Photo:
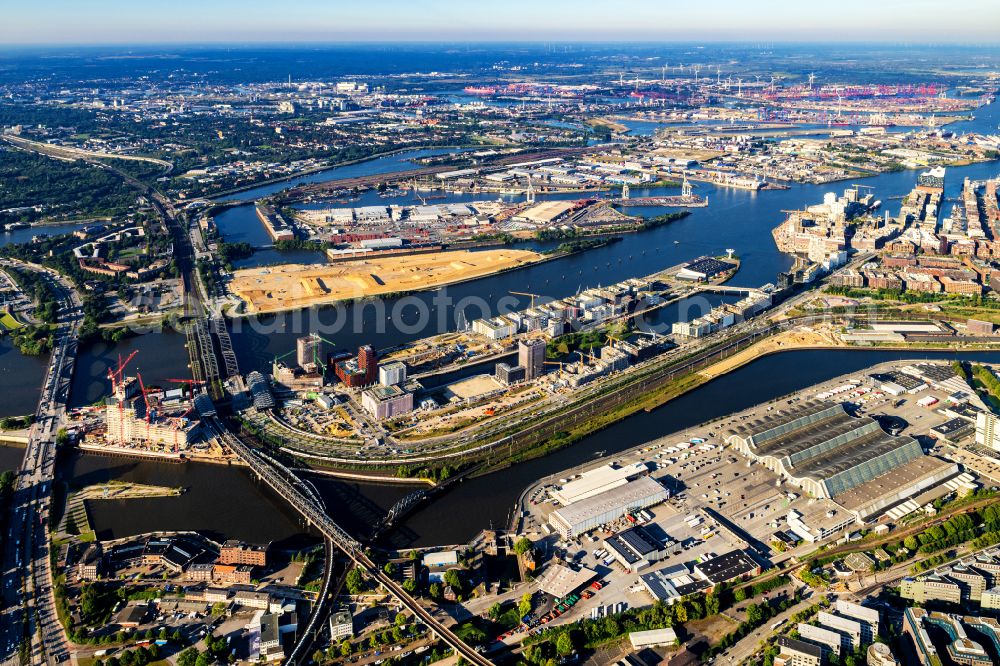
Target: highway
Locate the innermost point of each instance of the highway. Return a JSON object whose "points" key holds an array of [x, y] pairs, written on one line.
{"points": [[295, 491], [28, 601]]}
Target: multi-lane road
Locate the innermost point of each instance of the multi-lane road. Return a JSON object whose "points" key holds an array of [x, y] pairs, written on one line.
{"points": [[28, 603]]}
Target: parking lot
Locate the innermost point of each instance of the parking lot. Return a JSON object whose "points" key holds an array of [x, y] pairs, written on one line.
{"points": [[702, 474]]}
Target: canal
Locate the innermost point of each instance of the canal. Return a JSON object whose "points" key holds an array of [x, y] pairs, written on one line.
{"points": [[225, 501]]}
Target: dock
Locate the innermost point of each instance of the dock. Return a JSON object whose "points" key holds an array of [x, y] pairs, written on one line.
{"points": [[277, 227]]}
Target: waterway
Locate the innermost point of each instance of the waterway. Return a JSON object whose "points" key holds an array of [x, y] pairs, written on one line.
{"points": [[736, 219], [20, 379], [398, 162], [226, 501]]}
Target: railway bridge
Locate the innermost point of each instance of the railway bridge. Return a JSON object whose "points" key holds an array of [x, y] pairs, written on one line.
{"points": [[292, 489]]}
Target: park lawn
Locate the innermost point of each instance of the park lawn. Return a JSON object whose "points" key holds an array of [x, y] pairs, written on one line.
{"points": [[8, 322]]}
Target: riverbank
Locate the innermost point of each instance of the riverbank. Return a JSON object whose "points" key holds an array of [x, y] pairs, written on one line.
{"points": [[327, 167]]}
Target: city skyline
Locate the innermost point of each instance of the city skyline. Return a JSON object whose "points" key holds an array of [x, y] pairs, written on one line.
{"points": [[119, 22]]}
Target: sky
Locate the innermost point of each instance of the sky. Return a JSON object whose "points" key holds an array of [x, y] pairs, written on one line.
{"points": [[73, 22]]}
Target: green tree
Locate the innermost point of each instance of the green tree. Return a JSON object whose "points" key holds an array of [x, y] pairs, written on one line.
{"points": [[346, 648], [564, 644], [355, 581], [435, 590], [188, 657], [524, 607], [496, 610], [523, 546], [452, 578]]}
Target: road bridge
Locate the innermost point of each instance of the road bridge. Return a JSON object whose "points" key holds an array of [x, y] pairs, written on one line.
{"points": [[286, 484], [29, 610]]}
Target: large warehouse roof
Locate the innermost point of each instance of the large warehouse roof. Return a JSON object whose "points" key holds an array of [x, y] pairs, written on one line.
{"points": [[617, 500], [595, 481], [559, 580], [823, 448]]}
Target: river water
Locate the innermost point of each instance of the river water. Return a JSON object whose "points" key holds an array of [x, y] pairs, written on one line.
{"points": [[225, 501]]}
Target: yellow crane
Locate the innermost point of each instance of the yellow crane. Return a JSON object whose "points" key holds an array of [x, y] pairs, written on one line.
{"points": [[527, 293], [559, 363]]}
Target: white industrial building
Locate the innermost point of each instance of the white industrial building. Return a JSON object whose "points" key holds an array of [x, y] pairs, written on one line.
{"points": [[596, 481], [652, 638], [584, 515]]}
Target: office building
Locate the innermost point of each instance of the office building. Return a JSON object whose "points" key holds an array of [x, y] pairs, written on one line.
{"points": [[867, 617], [850, 630], [341, 624], [879, 654], [309, 352], [386, 402], [392, 374], [531, 356], [931, 588], [360, 371], [826, 639], [238, 552], [793, 652], [988, 430], [507, 375]]}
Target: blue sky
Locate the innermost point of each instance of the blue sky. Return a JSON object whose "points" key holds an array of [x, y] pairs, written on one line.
{"points": [[186, 21]]}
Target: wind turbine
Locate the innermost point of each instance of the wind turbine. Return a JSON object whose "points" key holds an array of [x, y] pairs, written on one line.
{"points": [[697, 68], [739, 87], [718, 75], [663, 75], [812, 78]]}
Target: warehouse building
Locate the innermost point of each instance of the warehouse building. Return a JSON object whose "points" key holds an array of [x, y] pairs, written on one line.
{"points": [[672, 583], [584, 515], [734, 565], [635, 548], [596, 481], [822, 449], [652, 638]]}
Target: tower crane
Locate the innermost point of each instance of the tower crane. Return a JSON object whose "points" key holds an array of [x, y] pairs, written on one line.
{"points": [[116, 383], [527, 293]]}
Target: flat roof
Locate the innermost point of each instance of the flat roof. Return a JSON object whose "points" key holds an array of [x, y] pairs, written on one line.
{"points": [[800, 646], [727, 566], [559, 580], [596, 480], [709, 266], [615, 499]]}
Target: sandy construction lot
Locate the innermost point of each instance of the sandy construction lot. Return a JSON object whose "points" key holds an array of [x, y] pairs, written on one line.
{"points": [[293, 286]]}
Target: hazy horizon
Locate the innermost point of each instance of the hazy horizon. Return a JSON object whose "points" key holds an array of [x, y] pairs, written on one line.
{"points": [[186, 22]]}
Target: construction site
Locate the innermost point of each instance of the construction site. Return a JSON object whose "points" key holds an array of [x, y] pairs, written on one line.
{"points": [[140, 420], [290, 287]]}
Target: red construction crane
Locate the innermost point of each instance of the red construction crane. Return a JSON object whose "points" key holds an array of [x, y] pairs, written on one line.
{"points": [[116, 375]]}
